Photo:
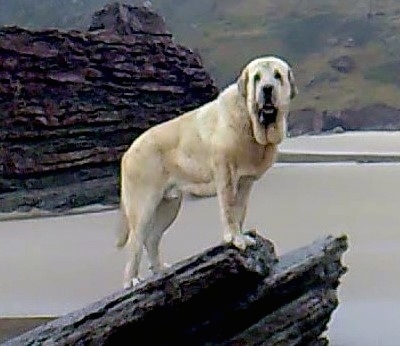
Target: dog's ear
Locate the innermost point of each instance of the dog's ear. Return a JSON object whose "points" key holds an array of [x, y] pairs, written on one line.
{"points": [[242, 82], [293, 88]]}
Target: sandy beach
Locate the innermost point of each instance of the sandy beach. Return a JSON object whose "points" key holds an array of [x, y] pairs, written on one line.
{"points": [[51, 266]]}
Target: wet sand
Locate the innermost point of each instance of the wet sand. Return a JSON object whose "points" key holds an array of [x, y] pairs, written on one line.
{"points": [[11, 327], [52, 266]]}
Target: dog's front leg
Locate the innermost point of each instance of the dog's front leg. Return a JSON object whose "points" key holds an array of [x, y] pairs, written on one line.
{"points": [[244, 188], [231, 211], [243, 194]]}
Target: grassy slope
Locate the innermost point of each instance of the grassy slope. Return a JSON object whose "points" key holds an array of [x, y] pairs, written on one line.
{"points": [[229, 33]]}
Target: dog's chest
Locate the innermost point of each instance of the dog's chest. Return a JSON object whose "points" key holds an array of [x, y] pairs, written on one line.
{"points": [[254, 160]]}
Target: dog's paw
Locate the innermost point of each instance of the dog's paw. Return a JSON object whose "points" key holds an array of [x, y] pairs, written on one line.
{"points": [[166, 265], [243, 241], [228, 237], [250, 240], [240, 241], [131, 283], [159, 268]]}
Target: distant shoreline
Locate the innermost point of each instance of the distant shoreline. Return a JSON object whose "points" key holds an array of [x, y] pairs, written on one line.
{"points": [[287, 157], [39, 213], [318, 157]]}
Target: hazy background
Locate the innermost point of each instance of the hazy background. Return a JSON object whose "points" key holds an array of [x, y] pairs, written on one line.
{"points": [[346, 50], [346, 54]]}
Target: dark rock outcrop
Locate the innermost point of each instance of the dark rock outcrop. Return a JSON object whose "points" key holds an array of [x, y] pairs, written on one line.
{"points": [[378, 117], [126, 20], [343, 64], [71, 103]]}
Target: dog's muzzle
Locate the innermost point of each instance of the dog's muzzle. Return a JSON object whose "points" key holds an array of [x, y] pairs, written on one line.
{"points": [[268, 112]]}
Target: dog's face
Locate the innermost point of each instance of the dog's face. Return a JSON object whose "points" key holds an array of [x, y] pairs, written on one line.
{"points": [[267, 84]]}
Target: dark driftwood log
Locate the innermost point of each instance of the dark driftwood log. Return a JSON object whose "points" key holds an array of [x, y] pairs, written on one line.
{"points": [[222, 296], [296, 323]]}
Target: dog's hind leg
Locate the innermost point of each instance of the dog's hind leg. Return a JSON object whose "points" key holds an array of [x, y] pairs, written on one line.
{"points": [[165, 215], [139, 221]]}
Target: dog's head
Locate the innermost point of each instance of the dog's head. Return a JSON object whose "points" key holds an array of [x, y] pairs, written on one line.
{"points": [[267, 85]]}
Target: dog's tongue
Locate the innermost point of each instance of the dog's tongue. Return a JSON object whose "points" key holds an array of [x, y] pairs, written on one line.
{"points": [[268, 111], [267, 115]]}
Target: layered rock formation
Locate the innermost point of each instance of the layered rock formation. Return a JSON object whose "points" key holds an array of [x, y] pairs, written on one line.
{"points": [[378, 117], [72, 102]]}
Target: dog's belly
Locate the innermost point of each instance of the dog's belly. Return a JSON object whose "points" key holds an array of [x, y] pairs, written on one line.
{"points": [[192, 169], [191, 175]]}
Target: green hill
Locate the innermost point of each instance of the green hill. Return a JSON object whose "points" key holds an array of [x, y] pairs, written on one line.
{"points": [[346, 54]]}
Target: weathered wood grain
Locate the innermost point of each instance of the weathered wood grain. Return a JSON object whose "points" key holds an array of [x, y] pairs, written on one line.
{"points": [[220, 297]]}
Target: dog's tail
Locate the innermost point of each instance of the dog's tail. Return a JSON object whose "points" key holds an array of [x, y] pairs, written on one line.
{"points": [[123, 229]]}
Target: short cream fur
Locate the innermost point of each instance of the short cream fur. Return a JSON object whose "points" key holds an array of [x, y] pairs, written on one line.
{"points": [[220, 149]]}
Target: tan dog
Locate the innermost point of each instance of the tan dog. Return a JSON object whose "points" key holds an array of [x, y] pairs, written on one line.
{"points": [[220, 148]]}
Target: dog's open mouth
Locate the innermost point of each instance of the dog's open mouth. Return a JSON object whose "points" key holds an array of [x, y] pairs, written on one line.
{"points": [[267, 114]]}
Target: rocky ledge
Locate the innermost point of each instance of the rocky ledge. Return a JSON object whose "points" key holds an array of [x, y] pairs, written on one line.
{"points": [[72, 102], [376, 117]]}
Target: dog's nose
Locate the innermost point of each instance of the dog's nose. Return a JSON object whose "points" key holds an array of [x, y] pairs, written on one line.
{"points": [[267, 91]]}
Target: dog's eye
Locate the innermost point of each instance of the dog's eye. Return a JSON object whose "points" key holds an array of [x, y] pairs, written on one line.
{"points": [[278, 76], [257, 77]]}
